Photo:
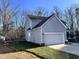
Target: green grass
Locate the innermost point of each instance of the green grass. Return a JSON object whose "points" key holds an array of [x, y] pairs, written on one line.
{"points": [[44, 52]]}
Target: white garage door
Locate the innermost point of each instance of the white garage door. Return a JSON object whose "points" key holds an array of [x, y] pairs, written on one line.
{"points": [[53, 38]]}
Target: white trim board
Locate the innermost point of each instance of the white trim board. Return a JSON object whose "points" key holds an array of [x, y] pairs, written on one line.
{"points": [[54, 33], [61, 22]]}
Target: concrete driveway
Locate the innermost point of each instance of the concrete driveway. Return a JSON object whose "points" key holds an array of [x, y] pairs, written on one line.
{"points": [[73, 49]]}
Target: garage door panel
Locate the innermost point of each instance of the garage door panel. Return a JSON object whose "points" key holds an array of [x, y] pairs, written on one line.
{"points": [[54, 36], [53, 39]]}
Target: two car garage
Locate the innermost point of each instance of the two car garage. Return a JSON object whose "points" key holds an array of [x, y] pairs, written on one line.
{"points": [[47, 38], [53, 38]]}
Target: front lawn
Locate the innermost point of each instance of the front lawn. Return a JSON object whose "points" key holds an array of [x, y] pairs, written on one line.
{"points": [[45, 52]]}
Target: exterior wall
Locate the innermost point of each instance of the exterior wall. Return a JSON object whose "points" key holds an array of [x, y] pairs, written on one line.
{"points": [[28, 35], [35, 22], [28, 25], [53, 26], [36, 36]]}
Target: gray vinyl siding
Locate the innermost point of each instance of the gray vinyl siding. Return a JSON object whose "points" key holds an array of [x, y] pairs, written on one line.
{"points": [[53, 25]]}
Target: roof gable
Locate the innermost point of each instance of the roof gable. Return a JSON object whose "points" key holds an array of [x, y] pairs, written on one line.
{"points": [[61, 22], [45, 19], [42, 22]]}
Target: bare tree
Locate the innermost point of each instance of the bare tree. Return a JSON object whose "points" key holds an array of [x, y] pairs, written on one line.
{"points": [[20, 26], [57, 11], [37, 12], [40, 12], [7, 14], [69, 17], [70, 20]]}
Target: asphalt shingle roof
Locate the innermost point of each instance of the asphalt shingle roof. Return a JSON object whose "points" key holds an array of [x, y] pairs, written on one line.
{"points": [[42, 22]]}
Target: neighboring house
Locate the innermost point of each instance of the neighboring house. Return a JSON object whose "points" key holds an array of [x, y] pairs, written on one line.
{"points": [[45, 30]]}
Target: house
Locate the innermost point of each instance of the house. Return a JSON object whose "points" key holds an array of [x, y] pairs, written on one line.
{"points": [[45, 30]]}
